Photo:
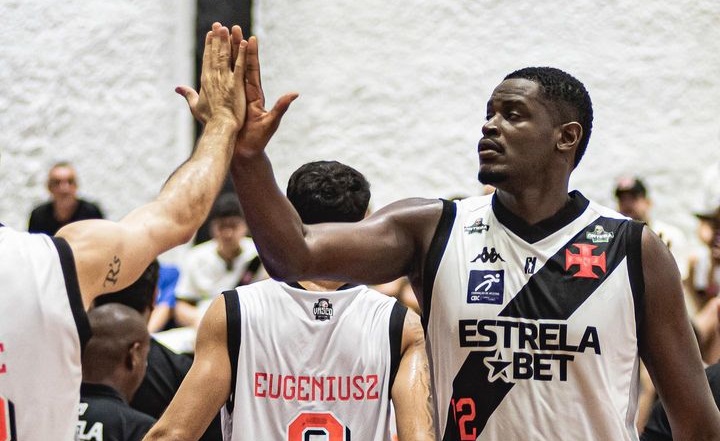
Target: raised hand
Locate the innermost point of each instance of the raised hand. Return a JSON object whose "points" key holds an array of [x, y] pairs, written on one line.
{"points": [[222, 79], [260, 124]]}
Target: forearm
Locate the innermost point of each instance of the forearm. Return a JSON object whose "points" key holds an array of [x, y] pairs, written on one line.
{"points": [[268, 212], [190, 191]]}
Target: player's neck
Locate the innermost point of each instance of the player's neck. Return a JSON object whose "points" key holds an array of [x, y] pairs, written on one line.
{"points": [[320, 285]]}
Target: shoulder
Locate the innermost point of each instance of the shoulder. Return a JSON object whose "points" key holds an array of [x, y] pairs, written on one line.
{"points": [[42, 209]]}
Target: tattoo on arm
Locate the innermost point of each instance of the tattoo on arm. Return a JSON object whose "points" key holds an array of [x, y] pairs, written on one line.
{"points": [[111, 278]]}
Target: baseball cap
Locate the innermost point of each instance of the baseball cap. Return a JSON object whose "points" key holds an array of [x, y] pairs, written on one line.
{"points": [[709, 214], [630, 184]]}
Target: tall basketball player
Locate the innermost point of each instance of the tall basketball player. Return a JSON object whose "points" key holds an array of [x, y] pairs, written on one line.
{"points": [[537, 302]]}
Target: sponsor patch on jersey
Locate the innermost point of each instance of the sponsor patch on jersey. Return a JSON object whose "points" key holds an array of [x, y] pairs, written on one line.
{"points": [[477, 227], [486, 286], [323, 310], [599, 235]]}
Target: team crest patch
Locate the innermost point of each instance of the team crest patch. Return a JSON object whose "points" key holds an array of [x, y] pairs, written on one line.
{"points": [[323, 309], [477, 227], [486, 286], [585, 260], [599, 235]]}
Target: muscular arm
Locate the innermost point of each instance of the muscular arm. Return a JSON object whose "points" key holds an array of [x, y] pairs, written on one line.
{"points": [[411, 390], [205, 388], [111, 255], [669, 348], [388, 244]]}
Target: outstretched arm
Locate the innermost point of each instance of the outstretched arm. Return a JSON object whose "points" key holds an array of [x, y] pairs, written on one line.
{"points": [[670, 350], [411, 390], [387, 245], [111, 255], [205, 388]]}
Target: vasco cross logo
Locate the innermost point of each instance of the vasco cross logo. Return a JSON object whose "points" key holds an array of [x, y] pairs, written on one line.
{"points": [[486, 256], [477, 227], [323, 310], [586, 260]]}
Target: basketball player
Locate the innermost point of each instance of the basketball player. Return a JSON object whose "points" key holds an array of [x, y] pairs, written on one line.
{"points": [[48, 282], [537, 302], [311, 357]]}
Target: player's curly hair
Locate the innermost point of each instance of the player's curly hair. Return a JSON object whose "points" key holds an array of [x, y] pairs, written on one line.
{"points": [[328, 191], [570, 96]]}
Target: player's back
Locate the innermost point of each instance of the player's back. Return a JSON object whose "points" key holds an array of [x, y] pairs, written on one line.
{"points": [[42, 325], [315, 363]]}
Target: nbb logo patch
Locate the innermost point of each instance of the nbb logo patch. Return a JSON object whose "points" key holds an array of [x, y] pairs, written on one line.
{"points": [[486, 286]]}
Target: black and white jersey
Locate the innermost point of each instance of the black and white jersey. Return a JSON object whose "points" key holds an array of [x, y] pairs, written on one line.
{"points": [[42, 329], [313, 365], [532, 330]]}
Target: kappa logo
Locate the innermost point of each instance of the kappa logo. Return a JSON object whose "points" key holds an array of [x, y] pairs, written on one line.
{"points": [[586, 260], [477, 227], [599, 235], [486, 287], [486, 256], [323, 310]]}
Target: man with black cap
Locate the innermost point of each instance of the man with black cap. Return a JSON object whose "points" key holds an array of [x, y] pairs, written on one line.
{"points": [[633, 201]]}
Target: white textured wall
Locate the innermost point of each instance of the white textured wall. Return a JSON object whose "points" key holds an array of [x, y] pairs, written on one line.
{"points": [[398, 89], [91, 81]]}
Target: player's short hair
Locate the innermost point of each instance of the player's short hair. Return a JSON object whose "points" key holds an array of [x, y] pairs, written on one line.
{"points": [[328, 191], [570, 96], [139, 296]]}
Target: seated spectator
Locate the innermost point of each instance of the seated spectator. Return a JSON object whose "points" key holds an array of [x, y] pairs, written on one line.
{"points": [[64, 206], [162, 314], [229, 259], [165, 369], [113, 365]]}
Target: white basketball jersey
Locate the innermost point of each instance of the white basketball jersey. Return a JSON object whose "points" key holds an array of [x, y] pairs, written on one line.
{"points": [[314, 366], [42, 325], [532, 330]]}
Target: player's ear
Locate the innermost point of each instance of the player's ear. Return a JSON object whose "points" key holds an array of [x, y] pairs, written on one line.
{"points": [[570, 135]]}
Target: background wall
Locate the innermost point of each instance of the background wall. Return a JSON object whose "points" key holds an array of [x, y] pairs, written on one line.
{"points": [[92, 82], [398, 89]]}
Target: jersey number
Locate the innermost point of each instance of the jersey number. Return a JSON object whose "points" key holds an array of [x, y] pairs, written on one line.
{"points": [[465, 410], [312, 426], [7, 420]]}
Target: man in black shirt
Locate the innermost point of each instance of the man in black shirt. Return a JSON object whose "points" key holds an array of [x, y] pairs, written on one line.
{"points": [[166, 369], [113, 365], [65, 206]]}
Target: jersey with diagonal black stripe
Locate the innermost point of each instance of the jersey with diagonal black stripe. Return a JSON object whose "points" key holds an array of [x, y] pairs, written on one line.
{"points": [[532, 329]]}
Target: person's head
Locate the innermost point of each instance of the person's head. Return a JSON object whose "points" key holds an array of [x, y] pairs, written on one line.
{"points": [[116, 354], [709, 226], [139, 296], [62, 181], [328, 191], [632, 198], [227, 221], [537, 119]]}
